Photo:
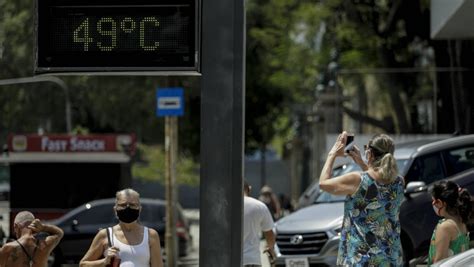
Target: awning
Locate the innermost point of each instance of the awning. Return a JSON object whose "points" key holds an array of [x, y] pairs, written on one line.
{"points": [[83, 157]]}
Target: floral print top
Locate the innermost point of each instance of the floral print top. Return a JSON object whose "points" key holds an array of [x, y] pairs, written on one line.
{"points": [[370, 233]]}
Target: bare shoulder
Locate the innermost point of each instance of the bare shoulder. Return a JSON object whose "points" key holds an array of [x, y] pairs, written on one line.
{"points": [[9, 254], [101, 235], [100, 238], [8, 247], [448, 226], [154, 237], [153, 233], [352, 177]]}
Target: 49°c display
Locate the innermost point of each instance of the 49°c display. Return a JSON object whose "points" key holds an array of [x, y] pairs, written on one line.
{"points": [[105, 35]]}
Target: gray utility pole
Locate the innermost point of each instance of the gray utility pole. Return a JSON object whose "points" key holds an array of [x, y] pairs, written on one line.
{"points": [[222, 129], [52, 79]]}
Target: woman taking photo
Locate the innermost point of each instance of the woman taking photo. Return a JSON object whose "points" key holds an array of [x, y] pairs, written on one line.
{"points": [[450, 236], [370, 233]]}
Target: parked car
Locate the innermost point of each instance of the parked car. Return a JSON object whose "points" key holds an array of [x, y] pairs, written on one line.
{"points": [[310, 234], [4, 182], [312, 192], [81, 224], [460, 260]]}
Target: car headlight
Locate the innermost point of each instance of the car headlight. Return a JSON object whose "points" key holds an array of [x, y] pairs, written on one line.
{"points": [[336, 231]]}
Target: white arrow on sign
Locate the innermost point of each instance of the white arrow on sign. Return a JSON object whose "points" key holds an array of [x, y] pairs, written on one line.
{"points": [[169, 102]]}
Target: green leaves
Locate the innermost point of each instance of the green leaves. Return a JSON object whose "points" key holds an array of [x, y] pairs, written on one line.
{"points": [[151, 166]]}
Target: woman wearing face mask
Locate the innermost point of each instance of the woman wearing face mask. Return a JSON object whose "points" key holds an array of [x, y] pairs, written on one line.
{"points": [[370, 234], [128, 243], [450, 236]]}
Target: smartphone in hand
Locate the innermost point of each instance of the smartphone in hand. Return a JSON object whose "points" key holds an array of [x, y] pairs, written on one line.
{"points": [[349, 143]]}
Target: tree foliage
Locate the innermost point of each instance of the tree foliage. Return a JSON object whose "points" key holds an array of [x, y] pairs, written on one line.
{"points": [[150, 166], [99, 104], [289, 47], [391, 41]]}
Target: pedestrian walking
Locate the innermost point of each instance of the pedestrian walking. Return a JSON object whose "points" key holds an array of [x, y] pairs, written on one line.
{"points": [[257, 219], [128, 243], [370, 234], [30, 248], [286, 205], [271, 201], [451, 236]]}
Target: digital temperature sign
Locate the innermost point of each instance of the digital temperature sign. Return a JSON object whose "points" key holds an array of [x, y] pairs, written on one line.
{"points": [[117, 35]]}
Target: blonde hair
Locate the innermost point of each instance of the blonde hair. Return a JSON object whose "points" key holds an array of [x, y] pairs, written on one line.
{"points": [[382, 148]]}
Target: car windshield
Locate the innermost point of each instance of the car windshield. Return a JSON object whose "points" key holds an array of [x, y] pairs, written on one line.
{"points": [[401, 164], [325, 197], [346, 168]]}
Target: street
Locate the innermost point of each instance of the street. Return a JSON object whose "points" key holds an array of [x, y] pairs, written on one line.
{"points": [[193, 258]]}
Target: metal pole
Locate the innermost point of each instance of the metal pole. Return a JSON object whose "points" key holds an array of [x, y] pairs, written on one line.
{"points": [[222, 133], [170, 173], [52, 79]]}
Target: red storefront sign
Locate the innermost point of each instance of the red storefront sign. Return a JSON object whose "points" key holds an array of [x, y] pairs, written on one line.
{"points": [[72, 143]]}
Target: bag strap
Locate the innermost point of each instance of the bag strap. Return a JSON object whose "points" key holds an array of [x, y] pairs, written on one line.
{"points": [[30, 257], [109, 240]]}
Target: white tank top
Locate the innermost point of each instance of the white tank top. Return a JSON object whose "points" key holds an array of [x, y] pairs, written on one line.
{"points": [[133, 256]]}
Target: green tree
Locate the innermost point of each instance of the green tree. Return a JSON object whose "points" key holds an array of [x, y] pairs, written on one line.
{"points": [[150, 166], [275, 75], [99, 104], [387, 35]]}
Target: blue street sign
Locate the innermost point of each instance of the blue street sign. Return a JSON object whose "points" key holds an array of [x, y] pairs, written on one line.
{"points": [[170, 101]]}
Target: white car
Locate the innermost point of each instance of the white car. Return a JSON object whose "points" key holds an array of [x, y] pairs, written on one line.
{"points": [[459, 260]]}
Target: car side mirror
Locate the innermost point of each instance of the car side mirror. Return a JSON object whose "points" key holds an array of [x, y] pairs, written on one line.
{"points": [[415, 187], [470, 154]]}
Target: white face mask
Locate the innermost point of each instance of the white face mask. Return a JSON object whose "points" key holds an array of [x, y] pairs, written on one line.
{"points": [[436, 210]]}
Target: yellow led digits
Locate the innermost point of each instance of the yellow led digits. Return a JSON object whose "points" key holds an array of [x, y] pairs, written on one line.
{"points": [[119, 35], [107, 33], [105, 23], [154, 23], [83, 27], [128, 25]]}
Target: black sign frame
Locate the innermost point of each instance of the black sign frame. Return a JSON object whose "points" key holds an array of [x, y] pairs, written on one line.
{"points": [[106, 36]]}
